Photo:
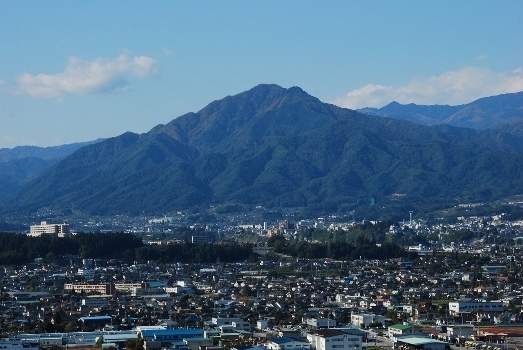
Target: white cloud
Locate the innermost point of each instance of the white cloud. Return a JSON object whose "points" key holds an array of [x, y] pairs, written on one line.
{"points": [[85, 77], [452, 88], [482, 57]]}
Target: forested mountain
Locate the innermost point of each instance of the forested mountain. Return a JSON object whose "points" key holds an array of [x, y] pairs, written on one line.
{"points": [[484, 113], [15, 173], [21, 164], [279, 147]]}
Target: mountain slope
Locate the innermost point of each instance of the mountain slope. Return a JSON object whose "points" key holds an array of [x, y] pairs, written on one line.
{"points": [[15, 173], [279, 147], [484, 113], [21, 164]]}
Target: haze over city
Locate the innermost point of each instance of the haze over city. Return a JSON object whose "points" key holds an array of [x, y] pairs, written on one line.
{"points": [[75, 72]]}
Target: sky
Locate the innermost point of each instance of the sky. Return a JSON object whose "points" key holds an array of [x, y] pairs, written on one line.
{"points": [[74, 71]]}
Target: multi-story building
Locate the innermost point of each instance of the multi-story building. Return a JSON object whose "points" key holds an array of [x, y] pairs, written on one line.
{"points": [[94, 302], [366, 319], [468, 306], [44, 228], [103, 288]]}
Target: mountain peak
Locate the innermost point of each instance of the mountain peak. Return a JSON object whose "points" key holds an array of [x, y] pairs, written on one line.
{"points": [[278, 147]]}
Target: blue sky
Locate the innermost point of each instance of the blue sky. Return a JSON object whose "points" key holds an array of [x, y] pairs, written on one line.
{"points": [[78, 70]]}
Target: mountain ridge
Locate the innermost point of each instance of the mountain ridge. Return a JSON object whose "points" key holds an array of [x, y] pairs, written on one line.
{"points": [[483, 113], [283, 148]]}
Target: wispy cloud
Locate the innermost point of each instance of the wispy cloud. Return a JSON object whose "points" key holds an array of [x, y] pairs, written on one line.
{"points": [[453, 88], [481, 57], [167, 52], [85, 77]]}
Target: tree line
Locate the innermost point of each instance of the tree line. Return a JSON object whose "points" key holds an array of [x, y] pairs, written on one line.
{"points": [[18, 249], [361, 248]]}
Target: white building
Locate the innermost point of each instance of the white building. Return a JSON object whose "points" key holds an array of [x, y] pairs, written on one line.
{"points": [[460, 330], [44, 228], [225, 321], [241, 326], [333, 339], [286, 343], [94, 302], [261, 324], [466, 305], [366, 319], [320, 322]]}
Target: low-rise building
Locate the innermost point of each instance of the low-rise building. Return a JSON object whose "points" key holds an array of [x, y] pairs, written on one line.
{"points": [[333, 339], [414, 342], [286, 343], [366, 319], [467, 305]]}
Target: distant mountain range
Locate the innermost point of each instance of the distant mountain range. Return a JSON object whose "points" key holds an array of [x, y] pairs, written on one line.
{"points": [[481, 114], [22, 164], [282, 147]]}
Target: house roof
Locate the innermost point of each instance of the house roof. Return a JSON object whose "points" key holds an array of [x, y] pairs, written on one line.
{"points": [[283, 340], [417, 340], [328, 332]]}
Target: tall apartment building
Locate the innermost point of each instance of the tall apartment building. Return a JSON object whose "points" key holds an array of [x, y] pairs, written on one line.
{"points": [[45, 228]]}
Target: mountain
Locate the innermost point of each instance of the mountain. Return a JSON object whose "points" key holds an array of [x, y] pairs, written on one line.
{"points": [[21, 164], [484, 113], [279, 147], [45, 153]]}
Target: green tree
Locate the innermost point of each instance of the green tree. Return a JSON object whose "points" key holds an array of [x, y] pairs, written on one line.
{"points": [[70, 327]]}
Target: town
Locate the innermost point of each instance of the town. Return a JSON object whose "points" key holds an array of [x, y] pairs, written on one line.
{"points": [[465, 293]]}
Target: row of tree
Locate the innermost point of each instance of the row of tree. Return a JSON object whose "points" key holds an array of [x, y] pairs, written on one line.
{"points": [[20, 249], [361, 248]]}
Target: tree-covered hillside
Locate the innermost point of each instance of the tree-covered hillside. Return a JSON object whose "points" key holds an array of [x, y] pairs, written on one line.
{"points": [[280, 147]]}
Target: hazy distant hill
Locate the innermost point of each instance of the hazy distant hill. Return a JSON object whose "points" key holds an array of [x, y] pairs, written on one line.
{"points": [[279, 147], [484, 113], [21, 164], [44, 153]]}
